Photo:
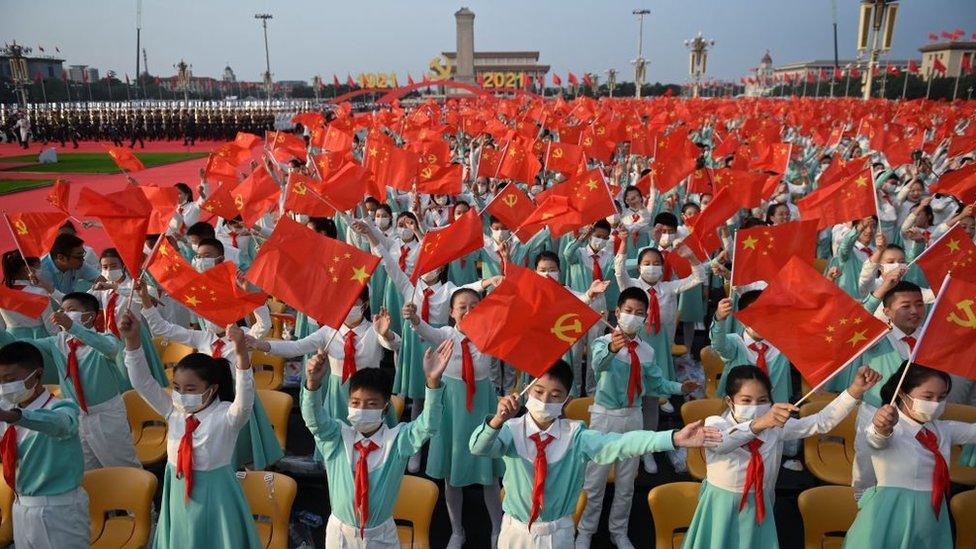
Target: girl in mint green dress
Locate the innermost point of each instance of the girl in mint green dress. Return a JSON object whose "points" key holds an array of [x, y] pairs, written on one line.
{"points": [[203, 505]]}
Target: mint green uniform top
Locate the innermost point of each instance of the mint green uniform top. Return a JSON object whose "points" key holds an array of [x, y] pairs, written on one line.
{"points": [[97, 364], [613, 375], [733, 348], [49, 457], [335, 440], [567, 456]]}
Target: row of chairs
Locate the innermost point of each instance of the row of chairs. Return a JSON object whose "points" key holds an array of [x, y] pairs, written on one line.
{"points": [[827, 513]]}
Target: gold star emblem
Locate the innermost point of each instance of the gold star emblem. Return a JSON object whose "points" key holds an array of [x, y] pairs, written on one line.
{"points": [[749, 243], [347, 255], [829, 339], [359, 274], [953, 245], [857, 321], [373, 151], [830, 328], [192, 300], [843, 322], [591, 184], [861, 181], [335, 279], [857, 338]]}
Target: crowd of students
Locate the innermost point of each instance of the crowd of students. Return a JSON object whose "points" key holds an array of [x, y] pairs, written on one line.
{"points": [[466, 423]]}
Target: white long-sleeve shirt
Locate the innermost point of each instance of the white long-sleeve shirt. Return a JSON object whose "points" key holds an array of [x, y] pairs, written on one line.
{"points": [[369, 345]]}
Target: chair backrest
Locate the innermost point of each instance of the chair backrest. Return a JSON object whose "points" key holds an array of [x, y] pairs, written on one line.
{"points": [[114, 489], [846, 429], [270, 497], [579, 409], [170, 352], [692, 411], [148, 428], [672, 508], [959, 473], [269, 370], [713, 365], [828, 512], [278, 407], [963, 508], [6, 513], [413, 510]]}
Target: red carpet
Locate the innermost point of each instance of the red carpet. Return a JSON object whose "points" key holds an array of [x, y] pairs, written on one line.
{"points": [[35, 199]]}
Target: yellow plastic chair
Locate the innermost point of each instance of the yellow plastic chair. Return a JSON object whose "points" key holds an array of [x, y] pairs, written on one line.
{"points": [[830, 456], [672, 508], [148, 428], [269, 370], [6, 513], [692, 411], [413, 510], [963, 508], [823, 395], [278, 407], [170, 352], [678, 350], [579, 409], [960, 474], [270, 497], [115, 489], [398, 404], [828, 512], [713, 365]]}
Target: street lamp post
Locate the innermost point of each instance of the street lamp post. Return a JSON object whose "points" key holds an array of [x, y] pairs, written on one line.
{"points": [[698, 60], [18, 70], [183, 76], [875, 30], [640, 63], [268, 84]]}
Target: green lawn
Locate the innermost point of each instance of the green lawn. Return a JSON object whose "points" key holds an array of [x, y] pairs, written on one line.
{"points": [[95, 162], [8, 186]]}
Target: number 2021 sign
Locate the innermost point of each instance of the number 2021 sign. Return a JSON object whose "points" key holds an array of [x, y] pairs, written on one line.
{"points": [[501, 79]]}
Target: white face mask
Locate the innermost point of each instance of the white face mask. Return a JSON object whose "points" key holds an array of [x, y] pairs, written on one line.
{"points": [[544, 412], [194, 247], [598, 243], [926, 410], [746, 412], [77, 316], [189, 403], [383, 222], [355, 315], [113, 275], [651, 273], [551, 274], [202, 264], [15, 392], [365, 420], [405, 233], [629, 324], [500, 235], [888, 267], [664, 240]]}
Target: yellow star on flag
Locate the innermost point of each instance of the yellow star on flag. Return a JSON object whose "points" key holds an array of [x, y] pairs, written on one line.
{"points": [[749, 243], [192, 300], [857, 338], [953, 245], [359, 274]]}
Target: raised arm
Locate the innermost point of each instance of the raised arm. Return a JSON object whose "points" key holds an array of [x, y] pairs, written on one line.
{"points": [[135, 363], [58, 421], [325, 429], [492, 438], [240, 410]]}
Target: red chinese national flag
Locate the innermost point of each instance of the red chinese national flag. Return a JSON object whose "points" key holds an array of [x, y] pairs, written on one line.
{"points": [[849, 199], [125, 215], [221, 202], [774, 158], [912, 66], [285, 145], [169, 268], [324, 289], [220, 168], [35, 231], [442, 246], [950, 328], [587, 194], [257, 194], [163, 202], [812, 321], [528, 321], [488, 162], [344, 188], [556, 81], [124, 159], [215, 295], [389, 164], [60, 192], [703, 226], [564, 158], [745, 187], [938, 67], [954, 251], [760, 252], [959, 183], [25, 303], [247, 140], [573, 81], [511, 206], [519, 162], [554, 211]]}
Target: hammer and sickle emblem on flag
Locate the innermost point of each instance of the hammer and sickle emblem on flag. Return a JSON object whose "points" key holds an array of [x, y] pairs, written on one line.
{"points": [[426, 173], [557, 153], [279, 138], [21, 227], [239, 201], [566, 325], [440, 68], [588, 141], [432, 158], [966, 306], [300, 188], [510, 200]]}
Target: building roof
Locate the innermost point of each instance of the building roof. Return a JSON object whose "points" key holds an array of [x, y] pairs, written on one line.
{"points": [[827, 63], [942, 46], [491, 54], [766, 58]]}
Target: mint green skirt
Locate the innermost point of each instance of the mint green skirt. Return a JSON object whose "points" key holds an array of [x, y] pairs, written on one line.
{"points": [[899, 518], [410, 381], [449, 457], [718, 523], [217, 515]]}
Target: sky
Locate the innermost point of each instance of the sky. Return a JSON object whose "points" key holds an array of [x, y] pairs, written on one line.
{"points": [[323, 37]]}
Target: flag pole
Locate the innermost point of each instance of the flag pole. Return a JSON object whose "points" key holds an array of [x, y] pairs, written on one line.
{"points": [[845, 365], [921, 336], [30, 272], [142, 269]]}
